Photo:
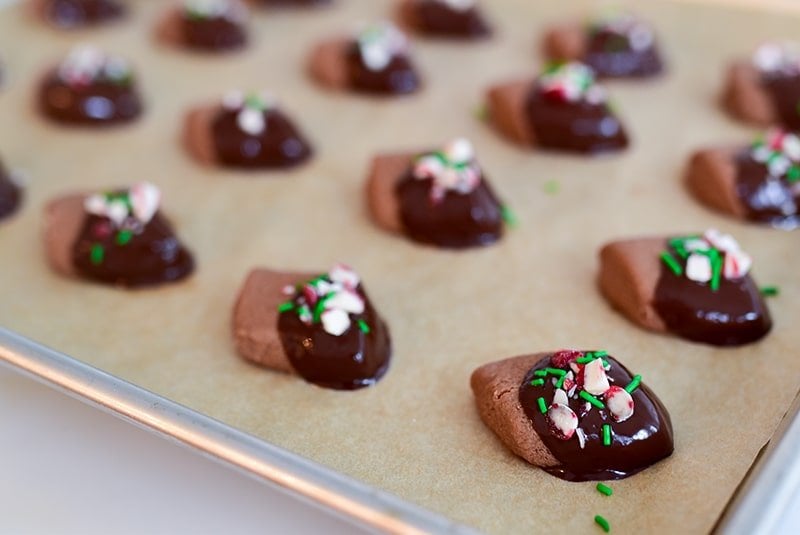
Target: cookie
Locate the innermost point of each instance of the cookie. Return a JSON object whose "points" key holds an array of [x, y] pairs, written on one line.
{"points": [[205, 25], [450, 19]]}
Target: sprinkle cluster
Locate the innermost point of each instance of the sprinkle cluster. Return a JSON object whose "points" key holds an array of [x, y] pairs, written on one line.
{"points": [[708, 258], [379, 44], [453, 168], [251, 107], [780, 152], [328, 299], [571, 82], [778, 58], [637, 32], [582, 374], [85, 65], [231, 10]]}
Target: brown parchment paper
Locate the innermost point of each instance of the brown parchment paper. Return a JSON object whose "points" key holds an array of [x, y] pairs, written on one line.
{"points": [[417, 433]]}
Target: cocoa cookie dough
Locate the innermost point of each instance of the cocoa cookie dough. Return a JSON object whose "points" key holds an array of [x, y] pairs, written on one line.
{"points": [[563, 109], [696, 287], [117, 237], [376, 61], [456, 19], [72, 14], [617, 45], [10, 194], [322, 327], [90, 88], [766, 89], [438, 197], [579, 415], [206, 25], [759, 182], [245, 131]]}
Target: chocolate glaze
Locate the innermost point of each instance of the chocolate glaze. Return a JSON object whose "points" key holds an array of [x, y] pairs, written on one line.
{"points": [[640, 441], [101, 103], [212, 34], [436, 18], [573, 126], [152, 257], [75, 13], [610, 55], [352, 360], [457, 220], [399, 77], [784, 91], [766, 199], [280, 145], [10, 194], [733, 315]]}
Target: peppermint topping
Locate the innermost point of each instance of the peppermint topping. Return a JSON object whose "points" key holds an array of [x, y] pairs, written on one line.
{"points": [[778, 58], [329, 300], [85, 65], [458, 5], [708, 258], [231, 10], [134, 207], [619, 403], [639, 34], [252, 107], [571, 82], [451, 169], [780, 152], [379, 44]]}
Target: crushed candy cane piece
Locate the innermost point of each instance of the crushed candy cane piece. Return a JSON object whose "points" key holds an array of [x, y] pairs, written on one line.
{"points": [[379, 44], [595, 380], [562, 421], [86, 64], [140, 203], [145, 199], [563, 357], [781, 58], [451, 169], [458, 5], [571, 82], [335, 321], [581, 437], [619, 403], [698, 268], [560, 397]]}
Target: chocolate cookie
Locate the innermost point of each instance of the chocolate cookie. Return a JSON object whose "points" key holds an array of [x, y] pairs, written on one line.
{"points": [[206, 25], [563, 109], [118, 238], [375, 62], [579, 415], [759, 183], [696, 287], [322, 327], [70, 14], [438, 197], [457, 19], [10, 194]]}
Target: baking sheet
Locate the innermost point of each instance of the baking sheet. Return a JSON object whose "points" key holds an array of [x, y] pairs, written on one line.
{"points": [[416, 434]]}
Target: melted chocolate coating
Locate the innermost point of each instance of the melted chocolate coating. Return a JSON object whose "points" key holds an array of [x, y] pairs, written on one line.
{"points": [[352, 360], [154, 256], [398, 78], [784, 91], [640, 441], [280, 145], [610, 55], [457, 220], [766, 199], [290, 3], [574, 126], [733, 315], [436, 18], [10, 194], [101, 103], [75, 13], [218, 33]]}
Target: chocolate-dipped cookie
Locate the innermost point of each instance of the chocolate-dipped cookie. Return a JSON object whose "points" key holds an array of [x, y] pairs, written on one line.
{"points": [[456, 19], [206, 25], [696, 287], [90, 88], [617, 45], [759, 183], [579, 415], [322, 327], [70, 14], [376, 62], [118, 237], [245, 131], [10, 194], [438, 197], [766, 89], [563, 109]]}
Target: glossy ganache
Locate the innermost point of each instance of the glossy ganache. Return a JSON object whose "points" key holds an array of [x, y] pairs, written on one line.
{"points": [[77, 13], [766, 198], [10, 194], [279, 145], [636, 443], [783, 89], [354, 359], [210, 34], [436, 18], [398, 77], [610, 54], [100, 102]]}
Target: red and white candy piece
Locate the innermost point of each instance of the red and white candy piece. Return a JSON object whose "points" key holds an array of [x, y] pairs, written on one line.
{"points": [[619, 403], [595, 380], [562, 421], [145, 198]]}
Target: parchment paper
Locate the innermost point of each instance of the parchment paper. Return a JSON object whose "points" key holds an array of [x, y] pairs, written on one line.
{"points": [[417, 433]]}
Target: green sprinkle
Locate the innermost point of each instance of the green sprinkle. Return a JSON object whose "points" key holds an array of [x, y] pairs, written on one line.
{"points": [[537, 382], [285, 307], [555, 371], [542, 405], [793, 174], [585, 360], [591, 399], [604, 489], [254, 101], [509, 217], [602, 522], [770, 291], [606, 435], [634, 384], [124, 236], [540, 373], [551, 187], [716, 270], [96, 254], [560, 382], [480, 112], [671, 263], [363, 326], [319, 308]]}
